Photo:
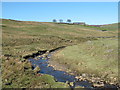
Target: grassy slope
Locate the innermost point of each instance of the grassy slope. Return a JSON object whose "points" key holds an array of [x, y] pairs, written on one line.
{"points": [[22, 38], [112, 27], [108, 27], [98, 57], [32, 36]]}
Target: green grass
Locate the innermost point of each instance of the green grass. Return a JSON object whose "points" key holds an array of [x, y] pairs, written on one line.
{"points": [[20, 75], [108, 27], [98, 57], [20, 38], [112, 27]]}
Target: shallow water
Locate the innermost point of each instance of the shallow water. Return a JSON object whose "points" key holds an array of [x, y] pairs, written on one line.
{"points": [[60, 76]]}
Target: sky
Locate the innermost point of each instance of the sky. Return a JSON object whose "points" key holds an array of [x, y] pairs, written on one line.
{"points": [[94, 13], [60, 0]]}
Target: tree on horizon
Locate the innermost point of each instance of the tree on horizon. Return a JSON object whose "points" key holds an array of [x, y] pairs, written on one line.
{"points": [[54, 20], [68, 20], [61, 20]]}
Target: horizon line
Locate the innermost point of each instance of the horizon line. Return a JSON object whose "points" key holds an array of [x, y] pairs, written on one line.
{"points": [[56, 22]]}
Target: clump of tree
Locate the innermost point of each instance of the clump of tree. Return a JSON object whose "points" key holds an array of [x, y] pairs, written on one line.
{"points": [[69, 20], [61, 21], [54, 20]]}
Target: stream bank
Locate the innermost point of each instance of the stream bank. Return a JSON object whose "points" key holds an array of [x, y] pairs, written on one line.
{"points": [[73, 81]]}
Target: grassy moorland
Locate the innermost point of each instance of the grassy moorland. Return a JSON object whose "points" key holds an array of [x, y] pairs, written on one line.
{"points": [[108, 27], [99, 57], [112, 27], [20, 38]]}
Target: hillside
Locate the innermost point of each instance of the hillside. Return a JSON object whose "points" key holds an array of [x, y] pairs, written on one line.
{"points": [[112, 27], [106, 27], [21, 38]]}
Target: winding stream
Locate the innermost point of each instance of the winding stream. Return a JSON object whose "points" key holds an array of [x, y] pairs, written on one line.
{"points": [[61, 76]]}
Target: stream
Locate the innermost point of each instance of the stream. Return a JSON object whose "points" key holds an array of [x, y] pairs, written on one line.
{"points": [[61, 76]]}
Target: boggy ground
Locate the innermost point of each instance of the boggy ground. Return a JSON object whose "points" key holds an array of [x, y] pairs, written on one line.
{"points": [[21, 38]]}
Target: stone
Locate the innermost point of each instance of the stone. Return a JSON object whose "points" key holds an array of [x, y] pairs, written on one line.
{"points": [[97, 85], [66, 82], [37, 69], [77, 77], [71, 83], [84, 75]]}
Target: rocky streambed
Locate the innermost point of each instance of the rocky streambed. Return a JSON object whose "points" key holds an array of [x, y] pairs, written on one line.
{"points": [[41, 60]]}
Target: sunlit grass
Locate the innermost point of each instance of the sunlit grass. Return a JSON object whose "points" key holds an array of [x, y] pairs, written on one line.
{"points": [[98, 57]]}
